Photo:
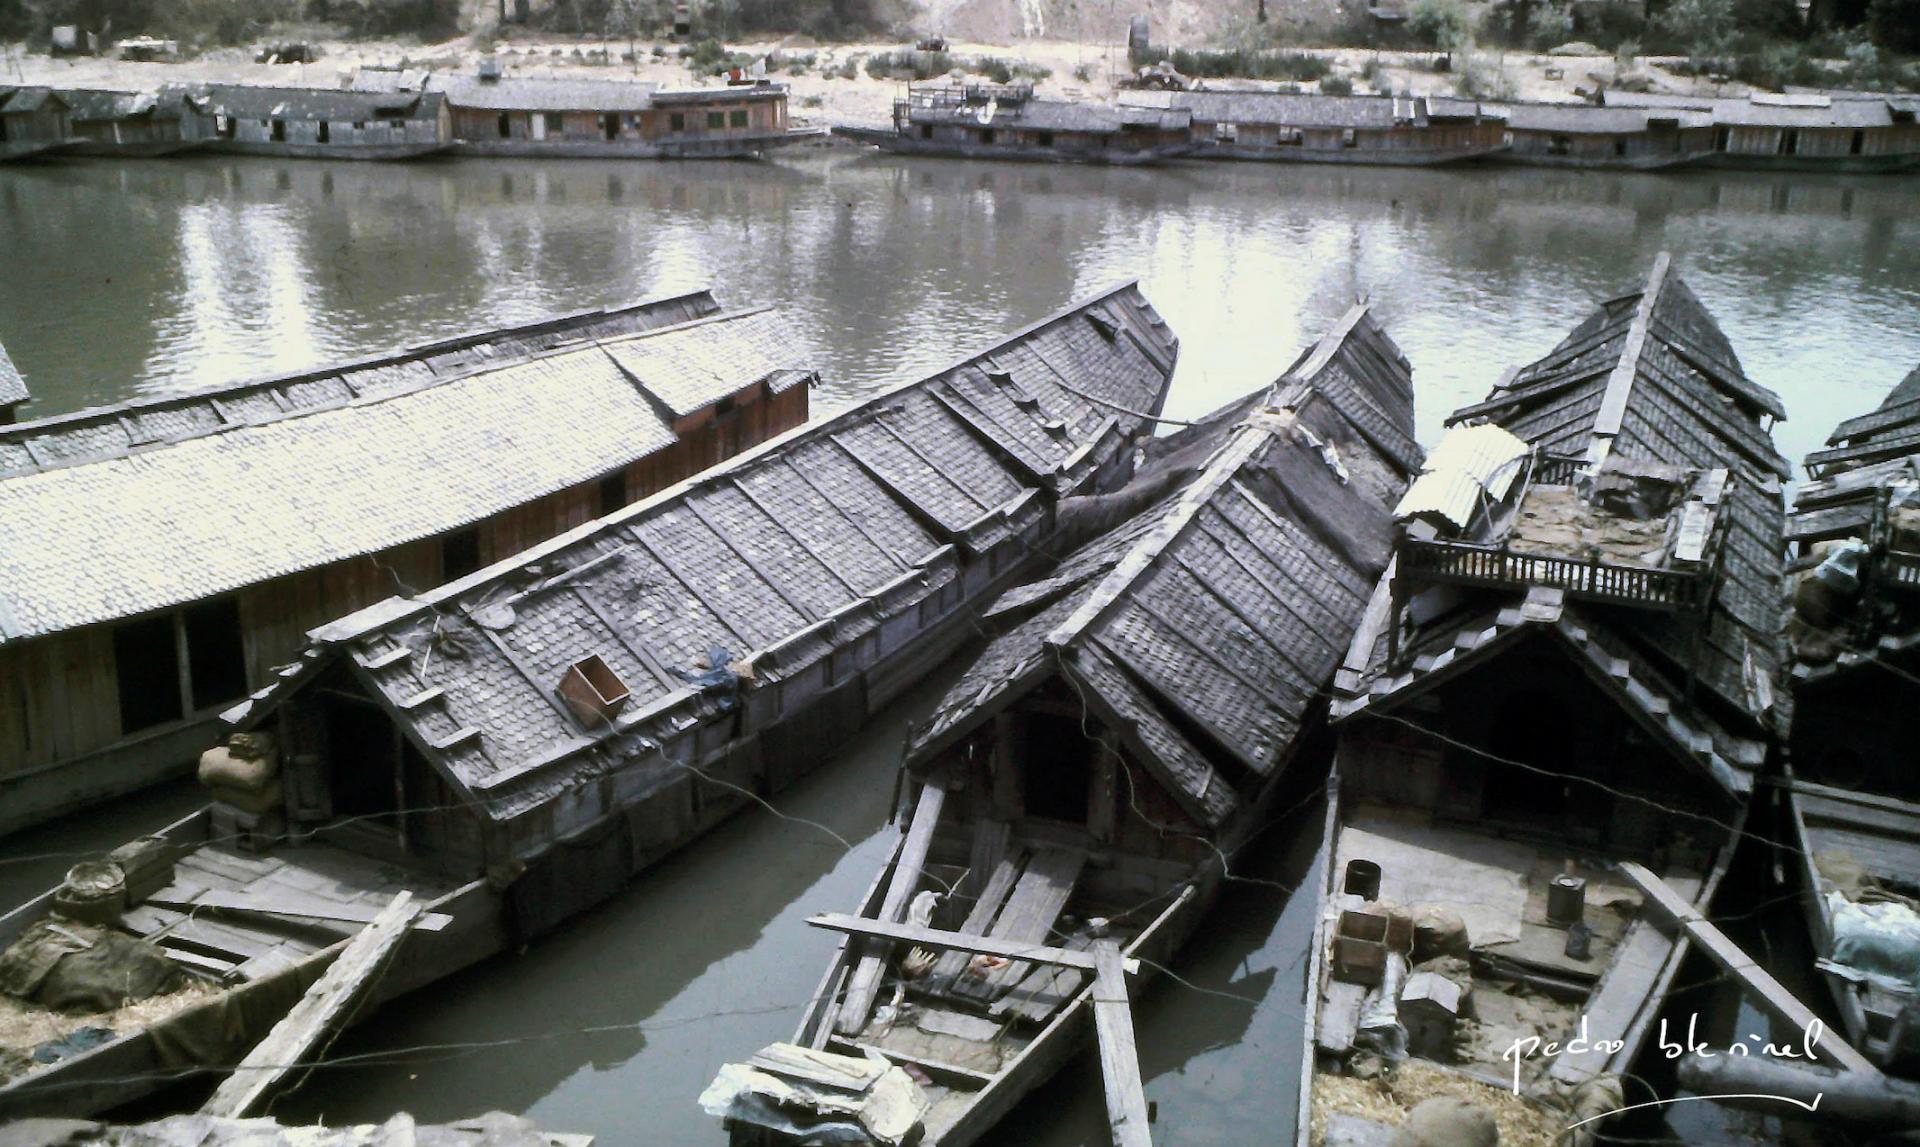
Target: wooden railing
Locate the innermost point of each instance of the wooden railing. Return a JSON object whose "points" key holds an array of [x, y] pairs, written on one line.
{"points": [[1466, 564]]}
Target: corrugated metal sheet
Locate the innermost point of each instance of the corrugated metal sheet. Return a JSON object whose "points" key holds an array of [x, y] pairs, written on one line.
{"points": [[544, 95], [1470, 465]]}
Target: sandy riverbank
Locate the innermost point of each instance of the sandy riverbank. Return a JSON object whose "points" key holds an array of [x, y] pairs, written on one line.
{"points": [[1079, 69]]}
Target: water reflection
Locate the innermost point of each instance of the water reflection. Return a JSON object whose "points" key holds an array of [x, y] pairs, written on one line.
{"points": [[152, 277]]}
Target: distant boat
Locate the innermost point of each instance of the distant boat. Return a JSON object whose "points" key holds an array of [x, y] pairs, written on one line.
{"points": [[318, 123], [34, 122], [1006, 121], [1133, 723], [130, 125], [1287, 127]]}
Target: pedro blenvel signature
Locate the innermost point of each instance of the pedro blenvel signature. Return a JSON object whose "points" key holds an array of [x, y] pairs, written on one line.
{"points": [[1529, 1046]]}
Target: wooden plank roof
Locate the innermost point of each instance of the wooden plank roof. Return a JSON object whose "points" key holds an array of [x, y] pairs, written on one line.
{"points": [[778, 557], [101, 432], [1206, 628], [1651, 376], [250, 501], [13, 388]]}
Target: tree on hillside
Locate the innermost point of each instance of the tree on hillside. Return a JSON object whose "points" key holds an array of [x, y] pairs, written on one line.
{"points": [[1706, 27], [1441, 23]]}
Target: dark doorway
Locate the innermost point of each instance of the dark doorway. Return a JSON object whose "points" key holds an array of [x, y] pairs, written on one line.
{"points": [[216, 652], [148, 665], [1859, 143], [326, 132], [613, 492], [505, 126], [610, 125], [1536, 729], [363, 758], [460, 553], [1057, 767], [279, 131]]}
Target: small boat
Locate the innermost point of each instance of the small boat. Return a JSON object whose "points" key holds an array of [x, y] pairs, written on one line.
{"points": [[511, 748], [1549, 731], [318, 123], [1853, 804], [1006, 121], [1082, 784]]}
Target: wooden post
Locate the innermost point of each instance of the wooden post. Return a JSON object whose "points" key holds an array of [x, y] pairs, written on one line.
{"points": [[863, 986], [1119, 1060], [1775, 998], [319, 1010]]}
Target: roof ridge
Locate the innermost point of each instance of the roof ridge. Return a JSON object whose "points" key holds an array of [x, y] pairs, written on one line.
{"points": [[1224, 464], [1613, 403]]}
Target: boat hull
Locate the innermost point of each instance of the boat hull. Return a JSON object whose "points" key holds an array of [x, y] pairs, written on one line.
{"points": [[155, 149], [34, 149], [897, 144], [384, 152], [1838, 164], [1435, 157], [731, 147]]}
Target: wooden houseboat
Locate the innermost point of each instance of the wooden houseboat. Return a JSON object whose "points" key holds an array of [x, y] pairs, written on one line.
{"points": [[33, 122], [317, 123], [1550, 726], [128, 124], [1005, 121], [1080, 785], [1856, 132], [13, 390], [512, 747], [218, 527], [600, 119], [1308, 128], [1853, 800], [1585, 136]]}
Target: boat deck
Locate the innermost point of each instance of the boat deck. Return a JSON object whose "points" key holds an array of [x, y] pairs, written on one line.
{"points": [[235, 914], [1498, 887]]}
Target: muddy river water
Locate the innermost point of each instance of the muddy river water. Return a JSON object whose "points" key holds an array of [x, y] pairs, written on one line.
{"points": [[117, 281]]}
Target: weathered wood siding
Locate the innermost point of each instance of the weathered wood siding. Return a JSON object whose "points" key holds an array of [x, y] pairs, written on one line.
{"points": [[639, 124], [59, 695]]}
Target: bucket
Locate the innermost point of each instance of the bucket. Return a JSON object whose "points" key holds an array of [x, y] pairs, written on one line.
{"points": [[1363, 880], [1566, 900]]}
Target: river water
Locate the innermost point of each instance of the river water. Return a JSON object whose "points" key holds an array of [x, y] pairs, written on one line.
{"points": [[117, 281]]}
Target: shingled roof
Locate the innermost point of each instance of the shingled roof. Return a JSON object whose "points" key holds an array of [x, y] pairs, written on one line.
{"points": [[1873, 467], [792, 556], [336, 105], [542, 94], [1650, 377], [246, 501], [13, 388], [1891, 431], [102, 432], [1288, 109], [1206, 628]]}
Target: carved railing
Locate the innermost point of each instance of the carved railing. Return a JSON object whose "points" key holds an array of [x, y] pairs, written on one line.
{"points": [[1463, 563]]}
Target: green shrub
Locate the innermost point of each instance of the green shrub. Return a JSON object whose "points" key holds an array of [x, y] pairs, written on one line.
{"points": [[1895, 24], [1606, 25], [1082, 72], [1336, 86], [1246, 64]]}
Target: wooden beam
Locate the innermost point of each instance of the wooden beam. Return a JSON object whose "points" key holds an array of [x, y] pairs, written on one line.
{"points": [[1119, 1059], [863, 986], [958, 941], [324, 1005], [1730, 957]]}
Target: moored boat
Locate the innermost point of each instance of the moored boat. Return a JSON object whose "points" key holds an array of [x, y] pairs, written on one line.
{"points": [[34, 123], [1852, 801], [1006, 121], [1083, 784], [512, 747], [1549, 731], [130, 125], [1288, 127]]}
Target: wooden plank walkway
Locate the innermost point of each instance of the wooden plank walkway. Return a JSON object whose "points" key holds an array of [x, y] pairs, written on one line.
{"points": [[955, 941], [1119, 1059], [863, 985], [324, 1005], [1037, 900]]}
